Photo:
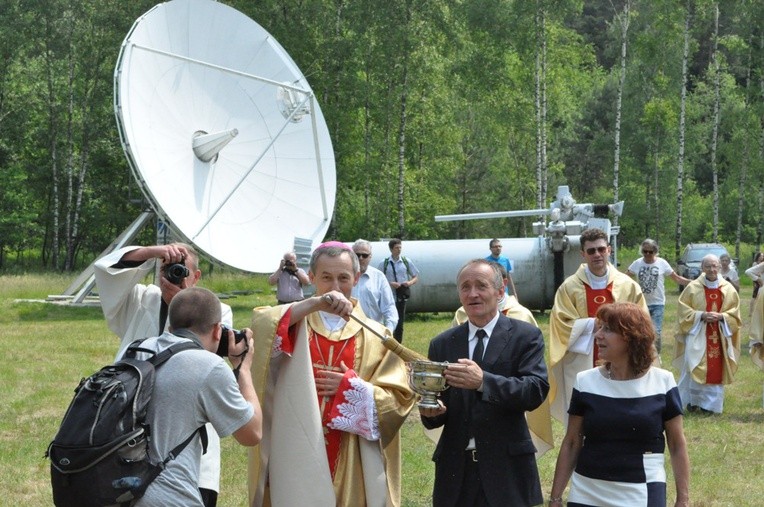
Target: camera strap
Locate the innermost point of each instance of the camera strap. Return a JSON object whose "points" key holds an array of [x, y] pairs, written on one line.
{"points": [[162, 315], [240, 356]]}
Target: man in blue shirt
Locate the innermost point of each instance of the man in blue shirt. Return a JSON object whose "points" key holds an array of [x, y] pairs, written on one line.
{"points": [[495, 246]]}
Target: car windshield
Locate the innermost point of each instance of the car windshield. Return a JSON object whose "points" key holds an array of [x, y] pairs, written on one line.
{"points": [[697, 254]]}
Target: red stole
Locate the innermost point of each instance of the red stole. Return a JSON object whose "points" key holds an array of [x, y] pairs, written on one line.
{"points": [[714, 359], [594, 299], [327, 355]]}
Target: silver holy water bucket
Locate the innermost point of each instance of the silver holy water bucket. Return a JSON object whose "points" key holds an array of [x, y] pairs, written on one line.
{"points": [[426, 378]]}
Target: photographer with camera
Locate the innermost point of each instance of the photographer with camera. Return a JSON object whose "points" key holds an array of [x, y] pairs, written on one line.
{"points": [[195, 387], [289, 280], [134, 311]]}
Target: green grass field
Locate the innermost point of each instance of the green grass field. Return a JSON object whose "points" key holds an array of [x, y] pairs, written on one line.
{"points": [[47, 348]]}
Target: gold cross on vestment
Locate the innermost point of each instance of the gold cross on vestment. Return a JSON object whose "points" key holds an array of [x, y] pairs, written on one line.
{"points": [[320, 366], [328, 366]]}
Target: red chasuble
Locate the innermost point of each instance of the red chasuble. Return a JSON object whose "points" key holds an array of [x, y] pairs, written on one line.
{"points": [[594, 299], [714, 359], [327, 355]]}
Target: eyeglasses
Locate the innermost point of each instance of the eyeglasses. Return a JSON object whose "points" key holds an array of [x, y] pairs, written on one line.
{"points": [[648, 252], [593, 250], [363, 255]]}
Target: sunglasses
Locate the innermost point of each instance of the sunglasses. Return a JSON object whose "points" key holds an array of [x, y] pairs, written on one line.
{"points": [[648, 252], [363, 255], [593, 250]]}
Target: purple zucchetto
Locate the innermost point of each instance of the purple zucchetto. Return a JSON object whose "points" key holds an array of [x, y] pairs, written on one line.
{"points": [[334, 244]]}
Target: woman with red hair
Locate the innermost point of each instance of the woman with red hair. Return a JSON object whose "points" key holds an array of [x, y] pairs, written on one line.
{"points": [[622, 414]]}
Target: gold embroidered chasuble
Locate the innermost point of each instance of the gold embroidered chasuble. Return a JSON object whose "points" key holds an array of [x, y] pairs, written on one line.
{"points": [[691, 339], [290, 466], [570, 306]]}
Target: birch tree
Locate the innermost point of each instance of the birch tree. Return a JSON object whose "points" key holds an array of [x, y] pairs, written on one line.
{"points": [[623, 23], [742, 180], [404, 92], [682, 125], [540, 106], [716, 118]]}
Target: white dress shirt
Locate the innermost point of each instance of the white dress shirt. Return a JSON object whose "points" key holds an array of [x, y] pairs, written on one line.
{"points": [[374, 294]]}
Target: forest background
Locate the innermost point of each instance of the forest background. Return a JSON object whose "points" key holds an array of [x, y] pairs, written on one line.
{"points": [[434, 107]]}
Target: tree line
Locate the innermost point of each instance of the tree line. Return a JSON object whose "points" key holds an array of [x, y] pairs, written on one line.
{"points": [[434, 107]]}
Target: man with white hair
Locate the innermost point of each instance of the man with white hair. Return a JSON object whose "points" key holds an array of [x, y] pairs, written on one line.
{"points": [[708, 342], [372, 290]]}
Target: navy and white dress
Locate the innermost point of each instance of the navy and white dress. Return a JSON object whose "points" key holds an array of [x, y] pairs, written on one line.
{"points": [[621, 461]]}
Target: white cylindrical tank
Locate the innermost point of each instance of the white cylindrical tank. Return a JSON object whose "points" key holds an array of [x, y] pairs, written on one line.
{"points": [[439, 261]]}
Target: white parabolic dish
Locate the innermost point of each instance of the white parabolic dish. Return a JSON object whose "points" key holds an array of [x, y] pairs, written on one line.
{"points": [[193, 67]]}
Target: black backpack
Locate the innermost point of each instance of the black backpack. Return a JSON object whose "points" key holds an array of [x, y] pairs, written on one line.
{"points": [[100, 455]]}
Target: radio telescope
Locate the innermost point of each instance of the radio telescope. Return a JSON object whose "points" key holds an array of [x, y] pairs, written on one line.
{"points": [[223, 133]]}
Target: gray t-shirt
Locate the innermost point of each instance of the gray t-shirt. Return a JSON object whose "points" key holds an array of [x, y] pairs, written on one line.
{"points": [[650, 278], [192, 388]]}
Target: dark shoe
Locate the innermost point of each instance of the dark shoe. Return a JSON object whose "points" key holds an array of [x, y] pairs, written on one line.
{"points": [[693, 408]]}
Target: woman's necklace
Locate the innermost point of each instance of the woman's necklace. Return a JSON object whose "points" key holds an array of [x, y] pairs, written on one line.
{"points": [[609, 374]]}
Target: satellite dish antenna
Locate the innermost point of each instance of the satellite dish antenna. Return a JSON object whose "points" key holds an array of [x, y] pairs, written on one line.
{"points": [[223, 133]]}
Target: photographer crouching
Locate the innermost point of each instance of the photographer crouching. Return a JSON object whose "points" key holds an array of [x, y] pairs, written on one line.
{"points": [[289, 280], [135, 311]]}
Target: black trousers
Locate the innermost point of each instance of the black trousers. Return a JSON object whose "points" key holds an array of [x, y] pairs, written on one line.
{"points": [[209, 497], [472, 494], [400, 305]]}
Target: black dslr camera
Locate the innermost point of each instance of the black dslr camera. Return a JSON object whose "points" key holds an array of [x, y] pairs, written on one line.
{"points": [[223, 345], [290, 267], [175, 273]]}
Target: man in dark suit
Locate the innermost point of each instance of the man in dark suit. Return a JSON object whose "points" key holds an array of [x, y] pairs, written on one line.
{"points": [[485, 456]]}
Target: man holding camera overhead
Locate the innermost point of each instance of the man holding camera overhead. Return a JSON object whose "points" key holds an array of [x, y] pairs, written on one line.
{"points": [[135, 311], [289, 280]]}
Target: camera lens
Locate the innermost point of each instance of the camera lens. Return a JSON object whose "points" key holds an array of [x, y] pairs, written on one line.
{"points": [[175, 273]]}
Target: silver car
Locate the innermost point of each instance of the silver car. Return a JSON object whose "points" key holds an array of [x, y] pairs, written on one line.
{"points": [[688, 264]]}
